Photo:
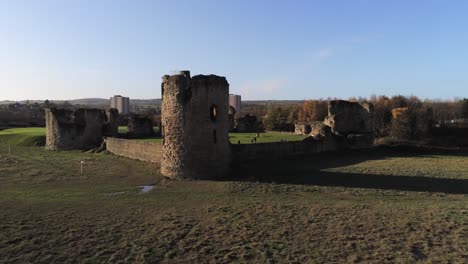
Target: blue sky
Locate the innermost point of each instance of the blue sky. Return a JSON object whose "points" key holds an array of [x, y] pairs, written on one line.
{"points": [[56, 49]]}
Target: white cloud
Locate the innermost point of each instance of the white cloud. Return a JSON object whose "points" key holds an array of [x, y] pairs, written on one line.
{"points": [[260, 89]]}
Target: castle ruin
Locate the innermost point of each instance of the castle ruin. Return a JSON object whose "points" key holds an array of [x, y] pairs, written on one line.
{"points": [[139, 126], [195, 126], [351, 124], [111, 128], [80, 129]]}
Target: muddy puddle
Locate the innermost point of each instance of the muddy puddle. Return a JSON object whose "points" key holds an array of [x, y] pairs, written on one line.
{"points": [[146, 188]]}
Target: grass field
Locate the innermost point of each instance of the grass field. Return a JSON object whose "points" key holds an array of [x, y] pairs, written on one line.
{"points": [[36, 136], [381, 206], [246, 138], [123, 129], [22, 136]]}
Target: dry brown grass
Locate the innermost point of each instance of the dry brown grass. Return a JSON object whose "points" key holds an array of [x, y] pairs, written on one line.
{"points": [[53, 215]]}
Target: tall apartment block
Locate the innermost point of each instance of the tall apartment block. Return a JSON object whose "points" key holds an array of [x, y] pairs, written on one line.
{"points": [[235, 102], [122, 104]]}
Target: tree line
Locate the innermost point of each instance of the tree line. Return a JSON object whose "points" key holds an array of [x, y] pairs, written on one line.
{"points": [[406, 117]]}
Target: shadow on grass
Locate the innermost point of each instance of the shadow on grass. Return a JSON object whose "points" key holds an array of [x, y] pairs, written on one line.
{"points": [[310, 171]]}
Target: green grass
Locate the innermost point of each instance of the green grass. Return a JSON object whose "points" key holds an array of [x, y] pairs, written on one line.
{"points": [[359, 206], [246, 138], [23, 136], [32, 135], [123, 129]]}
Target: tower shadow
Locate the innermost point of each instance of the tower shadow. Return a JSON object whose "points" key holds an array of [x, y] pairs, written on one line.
{"points": [[311, 170]]}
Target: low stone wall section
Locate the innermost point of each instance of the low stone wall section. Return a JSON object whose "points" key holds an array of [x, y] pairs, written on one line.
{"points": [[152, 151], [281, 150], [135, 149]]}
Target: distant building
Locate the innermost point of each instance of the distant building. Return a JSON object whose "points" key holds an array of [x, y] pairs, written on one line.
{"points": [[235, 102], [122, 104]]}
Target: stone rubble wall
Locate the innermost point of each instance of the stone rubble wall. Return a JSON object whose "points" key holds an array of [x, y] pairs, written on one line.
{"points": [[140, 126], [302, 129], [135, 149], [80, 129], [175, 94], [111, 129], [346, 117], [306, 128], [153, 151], [352, 121]]}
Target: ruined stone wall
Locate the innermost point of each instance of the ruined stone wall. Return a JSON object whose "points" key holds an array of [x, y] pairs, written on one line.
{"points": [[346, 117], [306, 128], [135, 149], [195, 126], [111, 129], [140, 126], [302, 129], [353, 121], [80, 129]]}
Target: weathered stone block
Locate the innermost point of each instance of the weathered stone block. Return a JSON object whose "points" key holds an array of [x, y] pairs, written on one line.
{"points": [[321, 131]]}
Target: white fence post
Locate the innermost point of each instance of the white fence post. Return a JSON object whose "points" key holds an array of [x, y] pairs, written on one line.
{"points": [[81, 167]]}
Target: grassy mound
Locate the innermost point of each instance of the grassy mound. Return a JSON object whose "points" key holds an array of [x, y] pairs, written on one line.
{"points": [[30, 136]]}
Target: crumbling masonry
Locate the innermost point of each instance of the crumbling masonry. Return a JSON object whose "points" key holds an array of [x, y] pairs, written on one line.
{"points": [[139, 126], [195, 126], [80, 129], [351, 124]]}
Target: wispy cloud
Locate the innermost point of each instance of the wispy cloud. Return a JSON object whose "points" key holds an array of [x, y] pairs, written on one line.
{"points": [[260, 89], [325, 53], [345, 46]]}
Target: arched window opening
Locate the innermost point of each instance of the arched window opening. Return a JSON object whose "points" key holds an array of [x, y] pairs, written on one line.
{"points": [[213, 112]]}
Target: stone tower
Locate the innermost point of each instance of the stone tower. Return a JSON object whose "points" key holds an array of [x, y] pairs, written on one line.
{"points": [[195, 126]]}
